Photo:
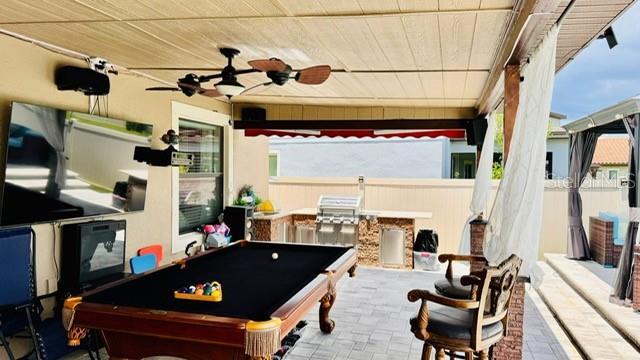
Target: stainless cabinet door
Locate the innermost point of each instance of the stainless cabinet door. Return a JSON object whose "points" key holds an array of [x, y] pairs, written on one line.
{"points": [[391, 247]]}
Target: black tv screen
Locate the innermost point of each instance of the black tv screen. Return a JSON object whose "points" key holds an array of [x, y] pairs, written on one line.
{"points": [[63, 164]]}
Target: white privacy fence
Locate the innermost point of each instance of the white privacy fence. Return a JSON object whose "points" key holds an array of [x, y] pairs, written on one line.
{"points": [[448, 200]]}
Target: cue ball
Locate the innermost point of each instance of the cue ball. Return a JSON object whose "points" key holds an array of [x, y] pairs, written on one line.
{"points": [[274, 256]]}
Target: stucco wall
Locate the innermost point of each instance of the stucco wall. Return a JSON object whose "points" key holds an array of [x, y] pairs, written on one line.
{"points": [[27, 73], [560, 150], [402, 158], [251, 163], [558, 146]]}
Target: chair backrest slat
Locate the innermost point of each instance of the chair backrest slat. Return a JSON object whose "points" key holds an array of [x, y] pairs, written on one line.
{"points": [[494, 295], [16, 285]]}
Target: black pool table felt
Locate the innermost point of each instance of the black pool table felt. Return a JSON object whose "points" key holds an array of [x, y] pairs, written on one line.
{"points": [[253, 284]]}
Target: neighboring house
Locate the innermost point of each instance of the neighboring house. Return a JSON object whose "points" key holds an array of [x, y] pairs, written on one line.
{"points": [[463, 156], [421, 158], [350, 157], [611, 158]]}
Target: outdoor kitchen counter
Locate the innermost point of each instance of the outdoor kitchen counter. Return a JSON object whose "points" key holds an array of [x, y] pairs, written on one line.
{"points": [[377, 213], [284, 226]]}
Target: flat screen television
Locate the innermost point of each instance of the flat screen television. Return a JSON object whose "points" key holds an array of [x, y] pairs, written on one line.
{"points": [[64, 164]]}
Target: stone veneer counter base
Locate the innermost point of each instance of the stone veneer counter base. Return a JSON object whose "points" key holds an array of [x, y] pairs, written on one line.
{"points": [[369, 229]]}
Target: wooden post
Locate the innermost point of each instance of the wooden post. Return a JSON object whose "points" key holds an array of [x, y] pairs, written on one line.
{"points": [[511, 102]]}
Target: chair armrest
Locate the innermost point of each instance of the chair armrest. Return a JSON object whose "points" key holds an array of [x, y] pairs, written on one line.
{"points": [[470, 280], [426, 295], [474, 280], [423, 313], [455, 257]]}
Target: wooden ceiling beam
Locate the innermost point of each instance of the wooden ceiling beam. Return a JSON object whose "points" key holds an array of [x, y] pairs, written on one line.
{"points": [[528, 21], [113, 19], [531, 34], [388, 124]]}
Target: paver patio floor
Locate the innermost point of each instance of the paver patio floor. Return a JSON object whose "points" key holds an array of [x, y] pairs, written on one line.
{"points": [[372, 321]]}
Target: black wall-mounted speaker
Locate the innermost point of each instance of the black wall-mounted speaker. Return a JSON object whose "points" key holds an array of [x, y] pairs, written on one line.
{"points": [[254, 114], [82, 79], [476, 130], [240, 220]]}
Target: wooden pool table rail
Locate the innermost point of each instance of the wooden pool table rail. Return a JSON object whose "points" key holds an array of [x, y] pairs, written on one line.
{"points": [[130, 332]]}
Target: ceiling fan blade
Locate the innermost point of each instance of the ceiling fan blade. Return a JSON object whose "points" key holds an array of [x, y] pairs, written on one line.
{"points": [[265, 65], [209, 92], [189, 86], [314, 75], [163, 88]]}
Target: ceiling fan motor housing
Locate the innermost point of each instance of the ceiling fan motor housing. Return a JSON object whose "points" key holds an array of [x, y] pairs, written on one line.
{"points": [[280, 77]]}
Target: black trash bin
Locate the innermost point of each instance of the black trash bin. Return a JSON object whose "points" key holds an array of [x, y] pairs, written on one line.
{"points": [[425, 250]]}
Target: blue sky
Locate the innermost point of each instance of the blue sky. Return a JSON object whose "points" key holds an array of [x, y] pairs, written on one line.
{"points": [[599, 77]]}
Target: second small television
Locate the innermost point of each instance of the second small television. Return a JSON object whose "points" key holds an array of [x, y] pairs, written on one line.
{"points": [[63, 164], [92, 253]]}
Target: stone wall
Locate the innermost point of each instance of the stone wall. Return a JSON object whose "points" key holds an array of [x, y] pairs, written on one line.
{"points": [[368, 235], [510, 347], [369, 239], [266, 229], [604, 251], [477, 227]]}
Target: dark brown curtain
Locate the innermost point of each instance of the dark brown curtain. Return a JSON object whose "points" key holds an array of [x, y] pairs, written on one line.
{"points": [[623, 287], [581, 149]]}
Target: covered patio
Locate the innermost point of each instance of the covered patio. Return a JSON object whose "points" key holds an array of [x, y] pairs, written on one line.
{"points": [[378, 68], [371, 315]]}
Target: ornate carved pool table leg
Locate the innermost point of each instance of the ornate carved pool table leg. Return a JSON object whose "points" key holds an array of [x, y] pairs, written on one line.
{"points": [[352, 270], [326, 324], [75, 335]]}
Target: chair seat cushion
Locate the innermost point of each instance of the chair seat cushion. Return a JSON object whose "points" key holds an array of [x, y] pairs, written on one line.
{"points": [[454, 323], [452, 288]]}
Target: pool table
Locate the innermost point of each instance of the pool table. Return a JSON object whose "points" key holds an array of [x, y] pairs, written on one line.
{"points": [[262, 300]]}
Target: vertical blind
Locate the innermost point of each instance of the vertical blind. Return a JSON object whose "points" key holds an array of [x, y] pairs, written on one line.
{"points": [[200, 185]]}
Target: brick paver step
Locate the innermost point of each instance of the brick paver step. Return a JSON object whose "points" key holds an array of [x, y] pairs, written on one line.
{"points": [[594, 336], [596, 292]]}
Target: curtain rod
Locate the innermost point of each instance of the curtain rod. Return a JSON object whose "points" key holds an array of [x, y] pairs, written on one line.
{"points": [[566, 11]]}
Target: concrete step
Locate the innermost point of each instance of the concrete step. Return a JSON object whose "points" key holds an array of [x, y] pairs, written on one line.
{"points": [[542, 331], [596, 292], [592, 334]]}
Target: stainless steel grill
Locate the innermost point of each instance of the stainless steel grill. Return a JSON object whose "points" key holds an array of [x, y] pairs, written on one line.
{"points": [[337, 220]]}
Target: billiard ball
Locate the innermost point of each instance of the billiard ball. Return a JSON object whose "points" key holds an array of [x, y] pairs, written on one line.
{"points": [[199, 292], [274, 256], [192, 289]]}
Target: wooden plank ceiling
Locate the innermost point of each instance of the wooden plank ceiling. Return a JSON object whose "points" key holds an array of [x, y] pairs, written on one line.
{"points": [[432, 53]]}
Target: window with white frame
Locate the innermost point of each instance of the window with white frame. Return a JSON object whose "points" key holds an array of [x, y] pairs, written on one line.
{"points": [[201, 185], [199, 192], [613, 174], [274, 163]]}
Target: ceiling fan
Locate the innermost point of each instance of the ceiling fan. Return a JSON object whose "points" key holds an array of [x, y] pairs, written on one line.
{"points": [[276, 70]]}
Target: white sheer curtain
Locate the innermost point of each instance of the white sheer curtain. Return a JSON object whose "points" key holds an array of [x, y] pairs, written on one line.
{"points": [[50, 123], [516, 217], [481, 183]]}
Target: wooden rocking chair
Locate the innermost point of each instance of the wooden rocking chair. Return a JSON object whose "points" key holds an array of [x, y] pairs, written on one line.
{"points": [[469, 326]]}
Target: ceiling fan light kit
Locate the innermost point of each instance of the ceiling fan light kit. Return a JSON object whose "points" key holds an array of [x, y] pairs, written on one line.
{"points": [[229, 88], [276, 70]]}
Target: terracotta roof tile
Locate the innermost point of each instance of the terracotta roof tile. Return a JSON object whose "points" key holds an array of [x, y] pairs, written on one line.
{"points": [[611, 151]]}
